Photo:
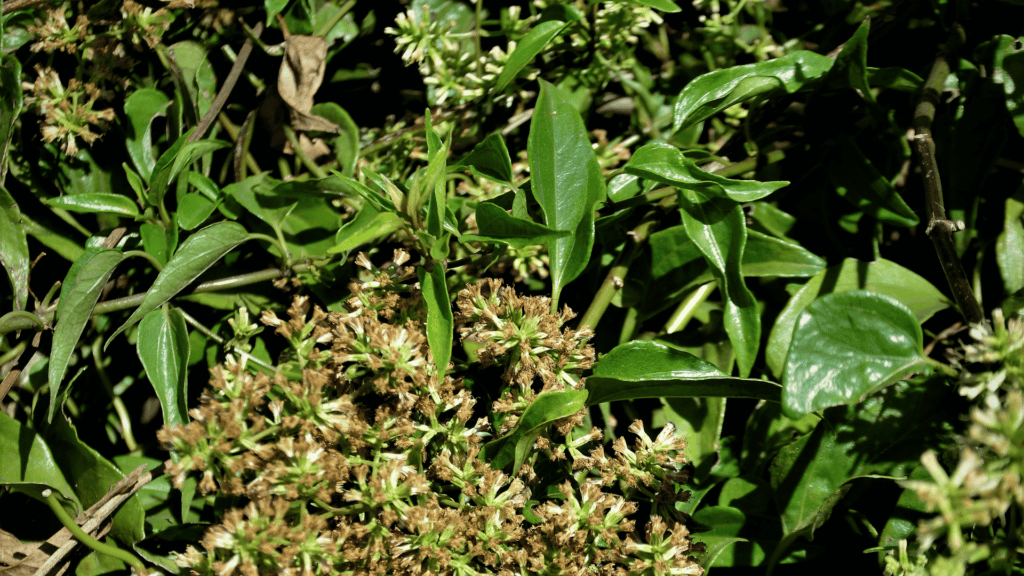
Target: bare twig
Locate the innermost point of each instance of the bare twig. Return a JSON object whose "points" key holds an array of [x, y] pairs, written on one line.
{"points": [[225, 90], [940, 229]]}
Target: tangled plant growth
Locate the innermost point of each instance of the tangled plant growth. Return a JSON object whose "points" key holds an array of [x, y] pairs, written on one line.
{"points": [[792, 232]]}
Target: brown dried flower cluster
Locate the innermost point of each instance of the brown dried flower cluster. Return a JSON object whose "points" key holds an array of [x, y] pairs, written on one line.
{"points": [[358, 457]]}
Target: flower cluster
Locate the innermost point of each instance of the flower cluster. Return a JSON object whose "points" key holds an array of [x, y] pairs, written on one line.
{"points": [[985, 488], [67, 112], [363, 458]]}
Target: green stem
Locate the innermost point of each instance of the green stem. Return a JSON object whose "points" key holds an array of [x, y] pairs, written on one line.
{"points": [[212, 336], [13, 352], [289, 133], [76, 531], [119, 407], [616, 277], [22, 314], [327, 26], [681, 317], [143, 254]]}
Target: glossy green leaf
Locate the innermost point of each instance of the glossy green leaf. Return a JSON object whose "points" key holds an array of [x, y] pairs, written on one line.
{"points": [[193, 74], [200, 251], [348, 185], [273, 8], [857, 180], [726, 524], [496, 225], [489, 159], [14, 248], [27, 463], [193, 210], [141, 107], [96, 202], [430, 186], [851, 71], [715, 91], [881, 276], [79, 293], [718, 228], [157, 242], [1008, 70], [369, 225], [882, 437], [845, 347], [163, 347], [93, 476], [440, 320], [663, 5], [895, 78], [1010, 244], [346, 142], [566, 181], [527, 49], [666, 164], [11, 101], [176, 159], [545, 408], [643, 369]]}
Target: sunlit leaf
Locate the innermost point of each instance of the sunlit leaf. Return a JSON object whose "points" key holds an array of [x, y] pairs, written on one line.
{"points": [[163, 347]]}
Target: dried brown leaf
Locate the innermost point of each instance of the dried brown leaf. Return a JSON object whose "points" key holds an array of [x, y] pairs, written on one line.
{"points": [[301, 74]]}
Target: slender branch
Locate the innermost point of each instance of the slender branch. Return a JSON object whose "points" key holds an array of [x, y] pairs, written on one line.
{"points": [[616, 277], [940, 229], [225, 90], [135, 299]]}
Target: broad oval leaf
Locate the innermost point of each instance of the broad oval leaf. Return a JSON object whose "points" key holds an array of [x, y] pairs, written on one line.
{"points": [[527, 49], [163, 347], [96, 203], [27, 461], [566, 181], [141, 107], [845, 347], [440, 320], [880, 276], [643, 369], [858, 182], [715, 91], [545, 408], [666, 164], [78, 296], [200, 251], [193, 210], [488, 159], [498, 226], [718, 228]]}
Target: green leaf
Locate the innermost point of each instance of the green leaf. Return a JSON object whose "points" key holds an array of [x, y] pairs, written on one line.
{"points": [[93, 476], [498, 226], [163, 347], [440, 321], [770, 219], [857, 180], [663, 5], [643, 369], [851, 71], [180, 155], [193, 210], [1008, 70], [14, 248], [715, 91], [717, 227], [882, 437], [881, 276], [27, 463], [350, 186], [346, 142], [488, 159], [895, 78], [200, 251], [545, 408], [157, 242], [699, 420], [527, 49], [193, 75], [566, 181], [1010, 244], [96, 202], [368, 226], [429, 188], [79, 293], [11, 101], [726, 524], [141, 107], [846, 346], [666, 164]]}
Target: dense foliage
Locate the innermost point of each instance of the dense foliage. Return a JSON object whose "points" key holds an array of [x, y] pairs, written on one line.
{"points": [[469, 287]]}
